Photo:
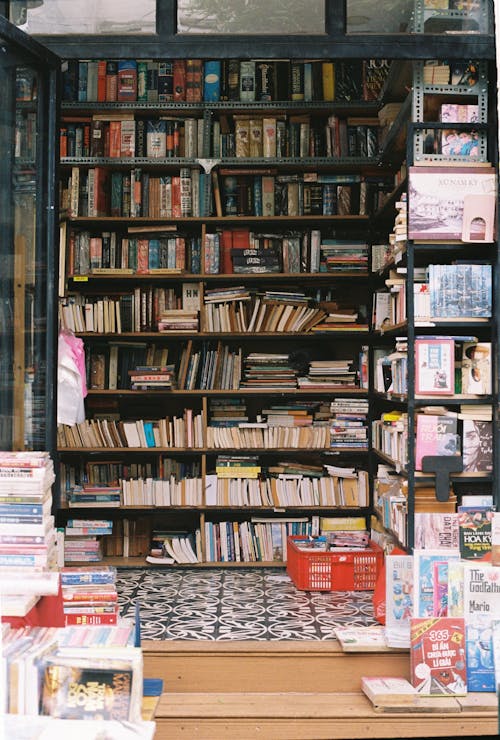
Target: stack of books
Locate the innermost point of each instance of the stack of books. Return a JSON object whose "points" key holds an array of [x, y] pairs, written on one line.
{"points": [[152, 377], [89, 595], [349, 426], [268, 370], [82, 539], [28, 549], [326, 374], [343, 255], [94, 496], [178, 320]]}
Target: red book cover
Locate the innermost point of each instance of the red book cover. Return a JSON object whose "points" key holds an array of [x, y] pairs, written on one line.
{"points": [[143, 255], [101, 190], [90, 619], [115, 136], [241, 238], [101, 80], [179, 79], [226, 242], [437, 656], [176, 197]]}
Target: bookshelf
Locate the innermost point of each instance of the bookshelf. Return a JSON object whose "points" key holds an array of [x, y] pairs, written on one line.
{"points": [[411, 293], [233, 290]]}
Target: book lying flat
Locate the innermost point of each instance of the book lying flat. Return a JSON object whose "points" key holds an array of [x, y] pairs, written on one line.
{"points": [[388, 689], [362, 639]]}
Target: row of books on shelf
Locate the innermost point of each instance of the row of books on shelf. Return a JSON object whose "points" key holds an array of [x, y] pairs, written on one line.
{"points": [[123, 136], [467, 433], [440, 292], [213, 365], [99, 192], [224, 251], [211, 80], [464, 367]]}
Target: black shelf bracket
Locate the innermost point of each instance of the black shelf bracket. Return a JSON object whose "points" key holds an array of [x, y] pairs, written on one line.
{"points": [[442, 466]]}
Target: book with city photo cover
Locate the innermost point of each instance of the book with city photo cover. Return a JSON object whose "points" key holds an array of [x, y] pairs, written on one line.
{"points": [[437, 202]]}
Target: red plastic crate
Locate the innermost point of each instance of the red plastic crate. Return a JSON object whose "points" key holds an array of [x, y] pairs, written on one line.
{"points": [[313, 570]]}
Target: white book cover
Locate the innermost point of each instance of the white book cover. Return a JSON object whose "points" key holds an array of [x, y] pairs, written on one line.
{"points": [[399, 595]]}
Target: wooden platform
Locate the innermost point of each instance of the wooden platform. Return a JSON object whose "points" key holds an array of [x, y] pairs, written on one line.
{"points": [[293, 691]]}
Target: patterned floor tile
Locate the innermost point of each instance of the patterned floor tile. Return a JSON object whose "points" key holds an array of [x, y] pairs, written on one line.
{"points": [[244, 604]]}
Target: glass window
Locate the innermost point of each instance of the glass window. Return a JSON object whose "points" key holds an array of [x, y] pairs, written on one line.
{"points": [[418, 16], [60, 17], [256, 17]]}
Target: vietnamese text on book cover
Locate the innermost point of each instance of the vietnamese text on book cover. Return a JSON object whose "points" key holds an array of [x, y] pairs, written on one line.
{"points": [[437, 656]]}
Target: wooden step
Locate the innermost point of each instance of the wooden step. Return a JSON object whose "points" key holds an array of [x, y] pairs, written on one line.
{"points": [[308, 716], [203, 666]]}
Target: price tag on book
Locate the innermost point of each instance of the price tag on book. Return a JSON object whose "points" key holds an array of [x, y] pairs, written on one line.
{"points": [[80, 278]]}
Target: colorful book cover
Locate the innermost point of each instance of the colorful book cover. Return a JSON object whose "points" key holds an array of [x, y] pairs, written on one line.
{"points": [[436, 530], [399, 593], [73, 692], [437, 202], [455, 588], [426, 585], [437, 656], [474, 524], [436, 435], [480, 663]]}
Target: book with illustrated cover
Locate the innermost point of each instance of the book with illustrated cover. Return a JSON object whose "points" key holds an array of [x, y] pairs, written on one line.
{"points": [[436, 530], [436, 435], [437, 199], [399, 597], [437, 656], [476, 367], [428, 581], [477, 446], [434, 366], [90, 688], [480, 663], [362, 639], [474, 523]]}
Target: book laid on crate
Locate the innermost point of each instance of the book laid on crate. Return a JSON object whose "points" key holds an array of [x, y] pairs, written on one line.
{"points": [[437, 656]]}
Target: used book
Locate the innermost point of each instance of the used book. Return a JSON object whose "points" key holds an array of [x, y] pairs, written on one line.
{"points": [[437, 656]]}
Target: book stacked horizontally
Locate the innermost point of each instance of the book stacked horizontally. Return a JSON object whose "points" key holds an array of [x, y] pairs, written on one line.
{"points": [[178, 320], [28, 553], [268, 370], [343, 255], [349, 426], [152, 377], [89, 595], [94, 496], [325, 374], [82, 539]]}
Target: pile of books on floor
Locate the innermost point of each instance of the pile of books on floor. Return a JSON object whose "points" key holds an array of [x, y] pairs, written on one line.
{"points": [[28, 552], [82, 539], [89, 595]]}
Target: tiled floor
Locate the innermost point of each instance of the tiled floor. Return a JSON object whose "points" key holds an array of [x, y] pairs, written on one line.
{"points": [[243, 604]]}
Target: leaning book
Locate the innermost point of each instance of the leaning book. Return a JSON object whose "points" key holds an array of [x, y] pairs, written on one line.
{"points": [[441, 199], [437, 656]]}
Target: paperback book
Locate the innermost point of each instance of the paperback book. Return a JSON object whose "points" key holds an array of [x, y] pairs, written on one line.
{"points": [[437, 656], [430, 581], [474, 523]]}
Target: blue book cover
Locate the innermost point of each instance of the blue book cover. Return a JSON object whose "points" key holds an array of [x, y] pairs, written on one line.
{"points": [[21, 509], [154, 254], [211, 86], [149, 434], [479, 658], [257, 196], [82, 81]]}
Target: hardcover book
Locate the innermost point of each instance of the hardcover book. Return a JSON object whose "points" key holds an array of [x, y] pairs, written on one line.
{"points": [[437, 656], [451, 203]]}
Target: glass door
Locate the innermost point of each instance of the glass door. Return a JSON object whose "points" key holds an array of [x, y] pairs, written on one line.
{"points": [[27, 242]]}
